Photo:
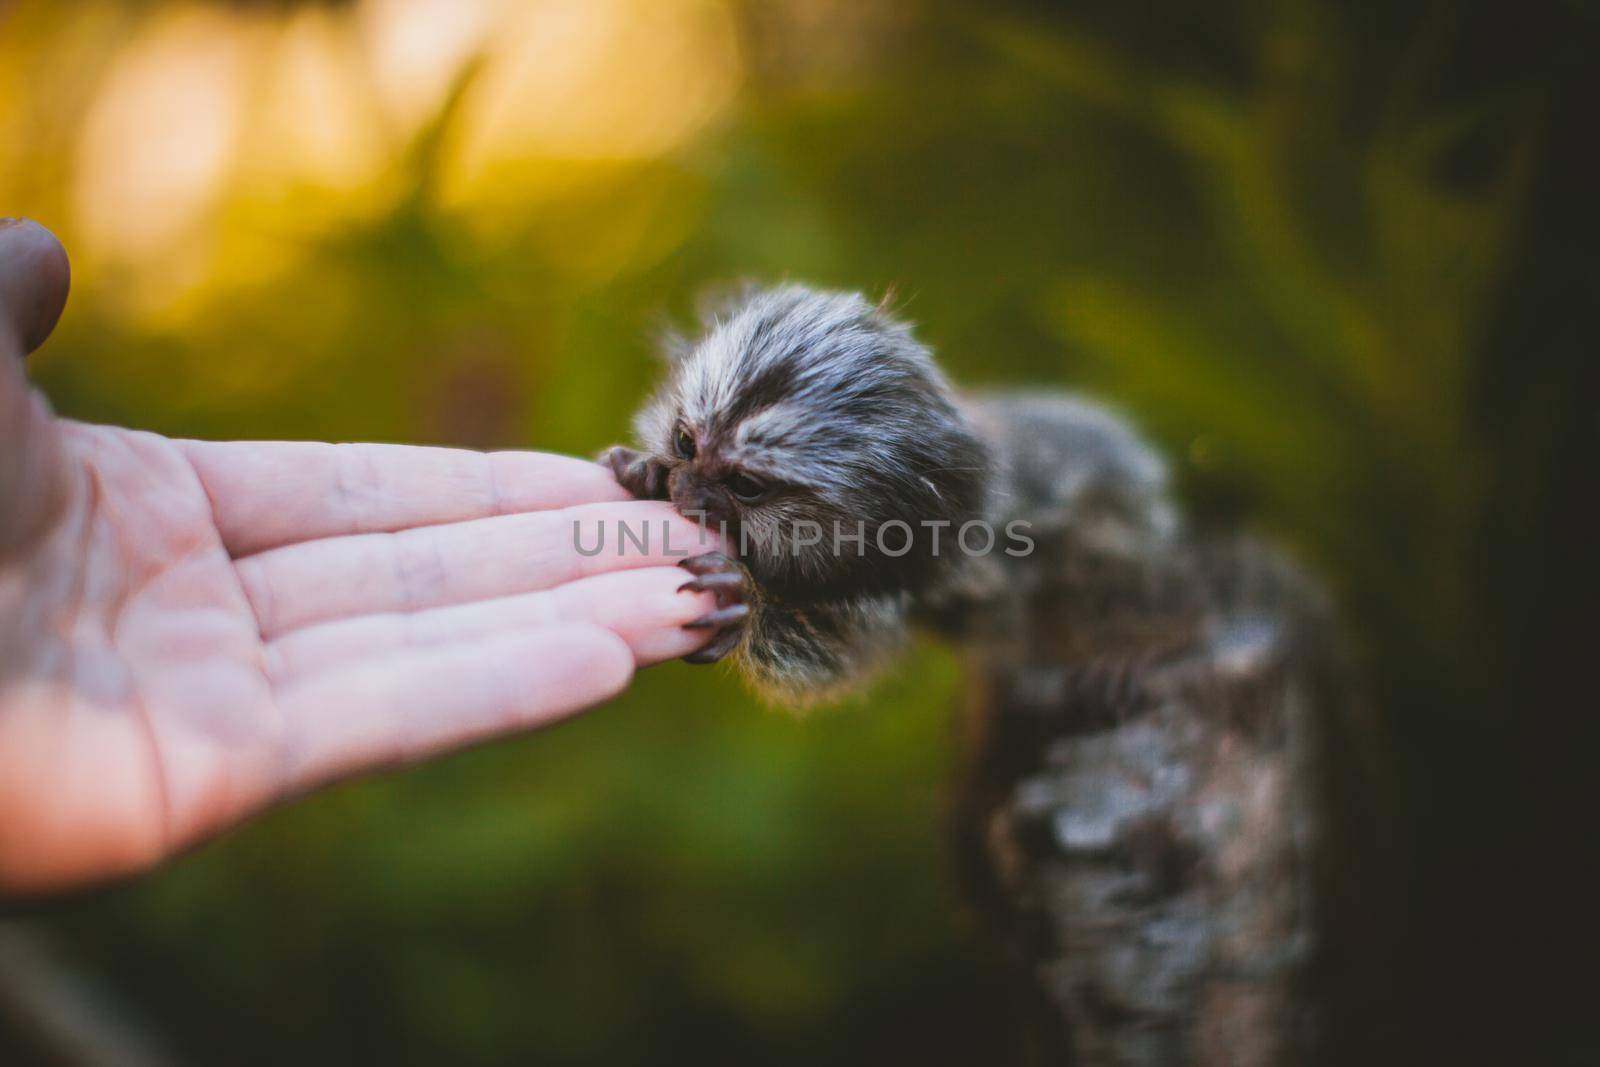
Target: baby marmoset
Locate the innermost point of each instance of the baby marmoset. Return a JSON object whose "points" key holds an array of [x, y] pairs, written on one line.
{"points": [[863, 493], [1140, 698]]}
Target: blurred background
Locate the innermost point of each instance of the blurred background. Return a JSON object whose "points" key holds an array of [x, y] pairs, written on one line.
{"points": [[1336, 257]]}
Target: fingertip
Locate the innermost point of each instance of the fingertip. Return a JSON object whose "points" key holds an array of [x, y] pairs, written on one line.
{"points": [[593, 665], [646, 607], [634, 533], [540, 481]]}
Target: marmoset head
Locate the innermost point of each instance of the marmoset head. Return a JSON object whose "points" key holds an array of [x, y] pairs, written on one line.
{"points": [[800, 406]]}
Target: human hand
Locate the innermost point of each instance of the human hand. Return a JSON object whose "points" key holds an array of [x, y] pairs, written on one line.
{"points": [[192, 631]]}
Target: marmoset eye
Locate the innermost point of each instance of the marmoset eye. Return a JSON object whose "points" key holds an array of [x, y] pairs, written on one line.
{"points": [[684, 443], [745, 487]]}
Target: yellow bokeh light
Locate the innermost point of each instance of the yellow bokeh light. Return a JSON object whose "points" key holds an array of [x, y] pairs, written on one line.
{"points": [[220, 142], [595, 80], [416, 48], [159, 140], [316, 120]]}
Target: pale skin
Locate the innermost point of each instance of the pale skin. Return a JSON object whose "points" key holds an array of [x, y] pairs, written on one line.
{"points": [[191, 632]]}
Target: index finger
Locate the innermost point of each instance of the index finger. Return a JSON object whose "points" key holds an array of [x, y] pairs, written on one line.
{"points": [[267, 494]]}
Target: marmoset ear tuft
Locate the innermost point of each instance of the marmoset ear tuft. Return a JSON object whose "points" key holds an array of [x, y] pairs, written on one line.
{"points": [[889, 301]]}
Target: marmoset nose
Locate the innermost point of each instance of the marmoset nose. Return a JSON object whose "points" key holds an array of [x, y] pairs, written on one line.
{"points": [[690, 493]]}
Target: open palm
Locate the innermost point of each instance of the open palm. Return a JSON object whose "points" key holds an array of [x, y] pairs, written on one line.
{"points": [[191, 631]]}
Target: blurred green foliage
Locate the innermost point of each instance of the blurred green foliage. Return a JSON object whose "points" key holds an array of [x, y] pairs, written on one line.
{"points": [[1276, 235]]}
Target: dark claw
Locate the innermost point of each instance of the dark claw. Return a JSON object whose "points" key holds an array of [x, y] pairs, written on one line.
{"points": [[711, 563], [722, 617], [715, 582], [728, 581], [644, 477]]}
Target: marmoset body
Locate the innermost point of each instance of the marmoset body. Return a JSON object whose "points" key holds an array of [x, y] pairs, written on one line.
{"points": [[1134, 821]]}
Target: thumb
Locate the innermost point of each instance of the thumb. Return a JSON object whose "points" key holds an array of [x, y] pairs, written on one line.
{"points": [[33, 288], [34, 278]]}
